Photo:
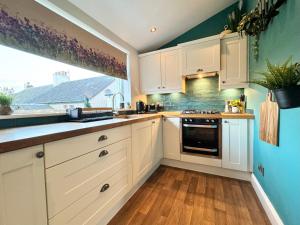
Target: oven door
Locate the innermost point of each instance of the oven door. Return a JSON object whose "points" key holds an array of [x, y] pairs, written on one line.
{"points": [[200, 138]]}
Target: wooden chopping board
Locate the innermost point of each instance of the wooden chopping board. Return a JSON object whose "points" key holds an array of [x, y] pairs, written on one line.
{"points": [[269, 117]]}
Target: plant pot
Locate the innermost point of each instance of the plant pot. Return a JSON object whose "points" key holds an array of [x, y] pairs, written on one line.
{"points": [[5, 110], [235, 109], [288, 98]]}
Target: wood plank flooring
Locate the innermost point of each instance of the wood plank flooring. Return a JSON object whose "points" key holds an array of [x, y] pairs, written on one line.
{"points": [[173, 196]]}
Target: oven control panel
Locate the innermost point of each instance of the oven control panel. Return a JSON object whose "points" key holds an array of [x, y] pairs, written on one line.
{"points": [[199, 121]]}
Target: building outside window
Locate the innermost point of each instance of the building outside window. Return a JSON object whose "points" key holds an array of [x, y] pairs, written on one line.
{"points": [[41, 85]]}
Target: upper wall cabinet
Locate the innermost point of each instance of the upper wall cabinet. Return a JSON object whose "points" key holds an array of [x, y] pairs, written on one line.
{"points": [[160, 72], [150, 72], [201, 56], [234, 60]]}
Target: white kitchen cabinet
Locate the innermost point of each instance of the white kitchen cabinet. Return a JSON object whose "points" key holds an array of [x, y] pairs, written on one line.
{"points": [[157, 143], [160, 72], [82, 144], [22, 187], [142, 156], [171, 138], [70, 181], [201, 56], [234, 62], [150, 73], [82, 190], [172, 80], [235, 144]]}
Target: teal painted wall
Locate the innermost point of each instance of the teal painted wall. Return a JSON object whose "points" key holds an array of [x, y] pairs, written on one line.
{"points": [[212, 26], [282, 164], [200, 94]]}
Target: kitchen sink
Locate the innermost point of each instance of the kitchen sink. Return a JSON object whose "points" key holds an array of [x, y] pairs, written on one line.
{"points": [[92, 119]]}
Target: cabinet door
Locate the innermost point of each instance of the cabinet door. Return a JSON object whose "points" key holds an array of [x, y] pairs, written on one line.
{"points": [[171, 138], [141, 149], [233, 72], [157, 144], [235, 144], [22, 188], [171, 76], [150, 73], [201, 57]]}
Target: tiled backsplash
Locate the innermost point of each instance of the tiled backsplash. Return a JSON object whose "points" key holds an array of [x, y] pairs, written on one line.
{"points": [[200, 94]]}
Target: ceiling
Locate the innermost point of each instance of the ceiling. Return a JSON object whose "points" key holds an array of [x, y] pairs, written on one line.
{"points": [[131, 20]]}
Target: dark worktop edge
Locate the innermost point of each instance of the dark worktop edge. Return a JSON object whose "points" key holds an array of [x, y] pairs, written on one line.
{"points": [[40, 140]]}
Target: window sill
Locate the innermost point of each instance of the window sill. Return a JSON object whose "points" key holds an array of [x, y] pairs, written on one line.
{"points": [[33, 115]]}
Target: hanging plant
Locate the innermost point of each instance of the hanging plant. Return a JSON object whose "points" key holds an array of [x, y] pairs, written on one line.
{"points": [[257, 21], [284, 81], [235, 17]]}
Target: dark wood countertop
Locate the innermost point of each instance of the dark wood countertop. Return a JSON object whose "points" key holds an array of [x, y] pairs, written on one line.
{"points": [[23, 137]]}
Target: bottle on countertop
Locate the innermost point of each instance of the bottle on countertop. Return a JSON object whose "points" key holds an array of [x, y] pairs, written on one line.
{"points": [[227, 106], [243, 103]]}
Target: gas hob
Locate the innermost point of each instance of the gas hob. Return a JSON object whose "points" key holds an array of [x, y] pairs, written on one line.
{"points": [[196, 111]]}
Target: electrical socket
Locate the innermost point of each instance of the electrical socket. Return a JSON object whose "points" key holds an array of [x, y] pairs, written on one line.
{"points": [[261, 169]]}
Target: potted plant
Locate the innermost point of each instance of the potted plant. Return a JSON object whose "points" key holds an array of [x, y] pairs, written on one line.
{"points": [[235, 106], [5, 103], [283, 80], [234, 18]]}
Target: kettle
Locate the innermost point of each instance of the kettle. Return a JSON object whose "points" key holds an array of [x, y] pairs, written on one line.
{"points": [[140, 107]]}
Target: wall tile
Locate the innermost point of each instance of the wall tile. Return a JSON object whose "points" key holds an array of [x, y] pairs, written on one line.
{"points": [[200, 94]]}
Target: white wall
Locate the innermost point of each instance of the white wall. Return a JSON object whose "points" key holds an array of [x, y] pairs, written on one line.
{"points": [[77, 16]]}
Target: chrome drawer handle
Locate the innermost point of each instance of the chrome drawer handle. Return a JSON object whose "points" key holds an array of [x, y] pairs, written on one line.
{"points": [[102, 138], [104, 188], [103, 153], [199, 70]]}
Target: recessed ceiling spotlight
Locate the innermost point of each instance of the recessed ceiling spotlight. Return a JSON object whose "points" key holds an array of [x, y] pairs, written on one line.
{"points": [[153, 29]]}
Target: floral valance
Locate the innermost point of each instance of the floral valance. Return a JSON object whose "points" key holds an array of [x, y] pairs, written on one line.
{"points": [[29, 26]]}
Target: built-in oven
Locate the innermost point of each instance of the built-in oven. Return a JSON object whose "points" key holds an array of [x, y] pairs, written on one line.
{"points": [[201, 136]]}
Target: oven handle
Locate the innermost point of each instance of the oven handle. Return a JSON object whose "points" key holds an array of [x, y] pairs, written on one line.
{"points": [[201, 126], [201, 149]]}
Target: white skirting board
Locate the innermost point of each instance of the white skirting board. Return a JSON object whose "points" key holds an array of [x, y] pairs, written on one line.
{"points": [[266, 203], [113, 211], [208, 169]]}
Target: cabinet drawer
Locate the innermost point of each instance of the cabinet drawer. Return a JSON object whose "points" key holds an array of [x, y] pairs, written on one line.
{"points": [[92, 207], [69, 181], [60, 151]]}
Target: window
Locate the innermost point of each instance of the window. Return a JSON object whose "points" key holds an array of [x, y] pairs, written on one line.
{"points": [[41, 85]]}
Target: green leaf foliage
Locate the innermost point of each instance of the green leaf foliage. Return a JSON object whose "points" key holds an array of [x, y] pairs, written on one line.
{"points": [[5, 100], [280, 76]]}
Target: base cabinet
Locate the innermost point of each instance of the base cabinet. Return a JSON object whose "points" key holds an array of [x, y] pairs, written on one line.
{"points": [[146, 147], [157, 140], [235, 144], [22, 188], [141, 149], [171, 138]]}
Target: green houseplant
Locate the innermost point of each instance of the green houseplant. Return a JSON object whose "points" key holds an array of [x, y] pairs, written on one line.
{"points": [[5, 103], [284, 81]]}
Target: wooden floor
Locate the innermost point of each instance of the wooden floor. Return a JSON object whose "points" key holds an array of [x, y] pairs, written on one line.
{"points": [[174, 196]]}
